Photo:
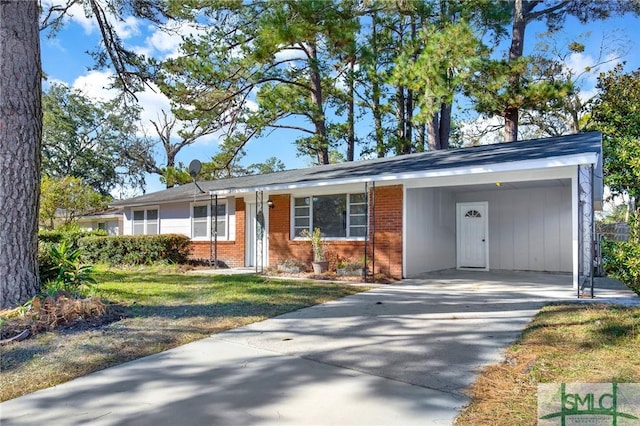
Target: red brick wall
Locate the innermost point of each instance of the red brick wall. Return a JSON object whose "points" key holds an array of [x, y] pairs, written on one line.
{"points": [[388, 234], [230, 252], [388, 229]]}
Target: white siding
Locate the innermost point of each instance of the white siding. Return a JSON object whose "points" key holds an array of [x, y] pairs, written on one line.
{"points": [[126, 221], [175, 218], [231, 212], [430, 230], [529, 229]]}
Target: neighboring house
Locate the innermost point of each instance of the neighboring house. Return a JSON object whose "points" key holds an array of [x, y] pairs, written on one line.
{"points": [[109, 220], [524, 205]]}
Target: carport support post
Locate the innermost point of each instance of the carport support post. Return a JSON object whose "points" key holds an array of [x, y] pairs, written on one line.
{"points": [[586, 227]]}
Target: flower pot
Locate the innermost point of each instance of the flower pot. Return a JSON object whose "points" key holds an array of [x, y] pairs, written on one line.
{"points": [[320, 267]]}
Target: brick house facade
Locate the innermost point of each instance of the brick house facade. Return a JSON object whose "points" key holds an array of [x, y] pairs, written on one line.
{"points": [[522, 205]]}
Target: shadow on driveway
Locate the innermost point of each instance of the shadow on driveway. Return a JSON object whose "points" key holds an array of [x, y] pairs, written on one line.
{"points": [[398, 354]]}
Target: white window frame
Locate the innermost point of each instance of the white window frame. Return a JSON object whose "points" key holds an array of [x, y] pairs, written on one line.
{"points": [[145, 222], [348, 237], [225, 237]]}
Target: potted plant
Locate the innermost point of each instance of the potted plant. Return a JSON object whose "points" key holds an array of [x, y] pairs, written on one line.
{"points": [[320, 263]]}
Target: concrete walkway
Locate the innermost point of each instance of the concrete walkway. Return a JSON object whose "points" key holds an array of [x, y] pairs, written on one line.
{"points": [[400, 354]]}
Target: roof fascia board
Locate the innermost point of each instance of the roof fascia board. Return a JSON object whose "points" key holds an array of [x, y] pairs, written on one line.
{"points": [[199, 199], [559, 161]]}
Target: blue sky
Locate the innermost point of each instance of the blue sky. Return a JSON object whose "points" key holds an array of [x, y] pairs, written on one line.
{"points": [[65, 59]]}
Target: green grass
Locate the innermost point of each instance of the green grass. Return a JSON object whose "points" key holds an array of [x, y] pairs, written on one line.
{"points": [[563, 344], [162, 308]]}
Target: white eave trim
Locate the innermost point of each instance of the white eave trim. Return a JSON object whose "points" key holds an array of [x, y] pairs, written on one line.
{"points": [[560, 161]]}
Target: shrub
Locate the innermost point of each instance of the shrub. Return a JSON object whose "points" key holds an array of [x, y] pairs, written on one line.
{"points": [[45, 263], [69, 274], [70, 235], [318, 244], [622, 258], [47, 238], [136, 249], [293, 266]]}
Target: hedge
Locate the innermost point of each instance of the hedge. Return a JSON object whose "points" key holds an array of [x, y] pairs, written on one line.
{"points": [[47, 238], [136, 249], [71, 236], [622, 258]]}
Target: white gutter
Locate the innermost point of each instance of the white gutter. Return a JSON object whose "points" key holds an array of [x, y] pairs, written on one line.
{"points": [[561, 161]]}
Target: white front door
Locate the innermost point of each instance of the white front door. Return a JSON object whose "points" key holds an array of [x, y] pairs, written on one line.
{"points": [[473, 241], [256, 251]]}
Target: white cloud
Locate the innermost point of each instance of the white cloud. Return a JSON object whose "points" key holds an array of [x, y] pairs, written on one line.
{"points": [[482, 130], [76, 13], [160, 43], [95, 85], [83, 16], [126, 28], [290, 54], [165, 42]]}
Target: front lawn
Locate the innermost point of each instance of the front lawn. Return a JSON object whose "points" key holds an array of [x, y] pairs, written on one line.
{"points": [[563, 344], [162, 308]]}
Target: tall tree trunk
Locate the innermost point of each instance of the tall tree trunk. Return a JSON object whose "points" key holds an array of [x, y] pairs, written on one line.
{"points": [[408, 122], [445, 125], [20, 140], [351, 119], [422, 137], [401, 118], [433, 133], [375, 91], [322, 148], [512, 113]]}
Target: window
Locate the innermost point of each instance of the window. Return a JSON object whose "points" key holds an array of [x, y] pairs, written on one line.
{"points": [[473, 213], [201, 223], [337, 215], [145, 222], [200, 220], [221, 220]]}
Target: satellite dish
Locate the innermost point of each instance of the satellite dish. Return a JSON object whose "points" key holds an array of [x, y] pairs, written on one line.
{"points": [[194, 168]]}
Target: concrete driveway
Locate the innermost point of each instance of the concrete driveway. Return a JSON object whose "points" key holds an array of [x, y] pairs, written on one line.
{"points": [[398, 354]]}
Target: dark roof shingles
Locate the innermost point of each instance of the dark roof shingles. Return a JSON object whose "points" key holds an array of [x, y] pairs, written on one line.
{"points": [[534, 149]]}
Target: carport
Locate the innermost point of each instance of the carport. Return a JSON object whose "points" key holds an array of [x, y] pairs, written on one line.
{"points": [[523, 212]]}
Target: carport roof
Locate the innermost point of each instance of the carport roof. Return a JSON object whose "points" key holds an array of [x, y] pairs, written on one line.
{"points": [[389, 168]]}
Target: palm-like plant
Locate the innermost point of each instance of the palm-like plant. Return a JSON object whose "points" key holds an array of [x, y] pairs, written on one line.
{"points": [[71, 274], [317, 244]]}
